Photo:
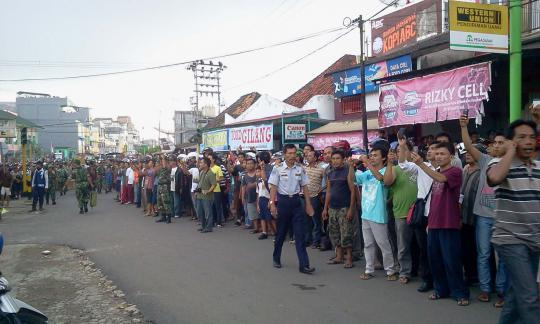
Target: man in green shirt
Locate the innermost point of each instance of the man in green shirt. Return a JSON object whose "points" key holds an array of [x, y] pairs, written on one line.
{"points": [[403, 191], [205, 195]]}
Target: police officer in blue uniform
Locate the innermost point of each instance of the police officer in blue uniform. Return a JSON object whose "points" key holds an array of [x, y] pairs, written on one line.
{"points": [[287, 180], [40, 182]]}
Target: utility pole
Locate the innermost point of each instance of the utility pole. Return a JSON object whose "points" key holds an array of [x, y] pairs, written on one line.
{"points": [[515, 59], [363, 84], [207, 81], [360, 21]]}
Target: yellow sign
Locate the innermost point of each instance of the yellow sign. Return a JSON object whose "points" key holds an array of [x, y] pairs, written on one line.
{"points": [[478, 27], [216, 140]]}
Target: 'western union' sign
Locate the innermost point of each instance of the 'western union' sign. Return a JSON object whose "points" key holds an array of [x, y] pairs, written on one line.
{"points": [[481, 16], [478, 27]]}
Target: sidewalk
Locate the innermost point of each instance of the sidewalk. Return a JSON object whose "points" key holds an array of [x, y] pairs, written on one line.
{"points": [[64, 285]]}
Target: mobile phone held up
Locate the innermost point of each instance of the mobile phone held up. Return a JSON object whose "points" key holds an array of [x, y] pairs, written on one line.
{"points": [[465, 113]]}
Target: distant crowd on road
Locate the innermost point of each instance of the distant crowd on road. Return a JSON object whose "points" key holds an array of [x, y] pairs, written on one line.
{"points": [[456, 215]]}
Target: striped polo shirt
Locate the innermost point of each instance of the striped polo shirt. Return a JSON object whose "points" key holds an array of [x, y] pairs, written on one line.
{"points": [[316, 177], [517, 206]]}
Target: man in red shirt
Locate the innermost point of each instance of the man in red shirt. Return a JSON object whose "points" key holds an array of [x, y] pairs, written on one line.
{"points": [[444, 220]]}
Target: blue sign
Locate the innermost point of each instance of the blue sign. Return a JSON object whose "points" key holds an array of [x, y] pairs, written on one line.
{"points": [[348, 82]]}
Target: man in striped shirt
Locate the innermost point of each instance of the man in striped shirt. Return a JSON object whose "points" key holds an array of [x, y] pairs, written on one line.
{"points": [[516, 232]]}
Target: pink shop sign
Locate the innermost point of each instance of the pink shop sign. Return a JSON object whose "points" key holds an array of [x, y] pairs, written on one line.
{"points": [[320, 141], [435, 97]]}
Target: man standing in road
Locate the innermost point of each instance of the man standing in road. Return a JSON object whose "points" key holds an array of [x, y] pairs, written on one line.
{"points": [[39, 184], [374, 213], [484, 210], [317, 178], [53, 184], [62, 179], [205, 194], [82, 179], [163, 195], [286, 182], [516, 231], [340, 208], [403, 191]]}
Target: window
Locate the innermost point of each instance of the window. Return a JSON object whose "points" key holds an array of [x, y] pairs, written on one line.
{"points": [[351, 105]]}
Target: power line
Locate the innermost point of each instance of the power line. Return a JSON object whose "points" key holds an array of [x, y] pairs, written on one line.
{"points": [[293, 62], [157, 67]]}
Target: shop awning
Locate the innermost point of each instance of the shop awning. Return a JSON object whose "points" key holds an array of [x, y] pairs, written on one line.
{"points": [[345, 126]]}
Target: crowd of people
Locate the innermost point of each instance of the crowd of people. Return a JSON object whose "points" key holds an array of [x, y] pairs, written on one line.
{"points": [[454, 215]]}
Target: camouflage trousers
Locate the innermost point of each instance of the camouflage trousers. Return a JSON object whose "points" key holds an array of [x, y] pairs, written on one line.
{"points": [[340, 229], [164, 199], [50, 194], [83, 194]]}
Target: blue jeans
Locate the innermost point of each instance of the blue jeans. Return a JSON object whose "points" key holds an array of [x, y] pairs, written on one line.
{"points": [[204, 210], [217, 207], [521, 304], [137, 190], [316, 219], [444, 252], [176, 204], [484, 226]]}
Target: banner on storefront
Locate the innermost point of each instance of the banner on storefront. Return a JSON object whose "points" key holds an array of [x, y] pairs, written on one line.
{"points": [[216, 140], [295, 132], [259, 137], [478, 27], [435, 97], [349, 83], [405, 27], [355, 139]]}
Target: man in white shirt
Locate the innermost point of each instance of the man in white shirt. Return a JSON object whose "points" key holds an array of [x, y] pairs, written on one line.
{"points": [[194, 171], [130, 175], [424, 183]]}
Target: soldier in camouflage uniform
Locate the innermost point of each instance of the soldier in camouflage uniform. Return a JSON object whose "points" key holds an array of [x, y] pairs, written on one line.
{"points": [[62, 176], [163, 195], [81, 186], [100, 176], [53, 185]]}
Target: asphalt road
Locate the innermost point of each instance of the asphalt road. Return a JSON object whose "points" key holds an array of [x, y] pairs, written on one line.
{"points": [[178, 275]]}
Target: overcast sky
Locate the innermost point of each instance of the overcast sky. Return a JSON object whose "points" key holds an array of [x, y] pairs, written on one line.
{"points": [[72, 37]]}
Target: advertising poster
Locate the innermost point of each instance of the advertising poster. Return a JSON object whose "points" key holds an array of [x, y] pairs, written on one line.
{"points": [[478, 27], [435, 97], [216, 140], [405, 27], [260, 137], [349, 83], [295, 132], [355, 139]]}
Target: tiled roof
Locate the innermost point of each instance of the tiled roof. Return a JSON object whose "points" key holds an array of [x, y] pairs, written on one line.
{"points": [[235, 110], [321, 84]]}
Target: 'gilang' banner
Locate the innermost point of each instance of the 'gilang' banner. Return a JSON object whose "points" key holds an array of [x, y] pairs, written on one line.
{"points": [[261, 137], [435, 97]]}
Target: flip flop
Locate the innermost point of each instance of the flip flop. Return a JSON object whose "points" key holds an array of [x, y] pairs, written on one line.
{"points": [[348, 265], [334, 261], [366, 276], [434, 296], [463, 302]]}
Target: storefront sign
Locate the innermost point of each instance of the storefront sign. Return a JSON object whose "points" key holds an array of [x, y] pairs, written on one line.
{"points": [[478, 27], [405, 27], [260, 137], [355, 139], [8, 128], [216, 140], [348, 83], [435, 97], [295, 132]]}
